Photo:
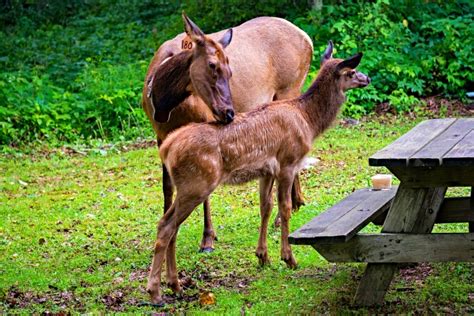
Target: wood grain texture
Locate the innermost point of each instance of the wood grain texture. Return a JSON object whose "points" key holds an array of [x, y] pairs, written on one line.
{"points": [[462, 154], [345, 219], [452, 210], [446, 143], [400, 248], [422, 177], [456, 210], [398, 152], [413, 211]]}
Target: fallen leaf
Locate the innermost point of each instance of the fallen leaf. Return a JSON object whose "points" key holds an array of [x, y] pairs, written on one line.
{"points": [[207, 298]]}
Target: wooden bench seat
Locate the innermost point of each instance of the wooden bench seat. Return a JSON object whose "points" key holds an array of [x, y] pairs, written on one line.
{"points": [[342, 221]]}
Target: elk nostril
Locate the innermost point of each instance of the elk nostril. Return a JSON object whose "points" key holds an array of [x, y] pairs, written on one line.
{"points": [[369, 80], [229, 115]]}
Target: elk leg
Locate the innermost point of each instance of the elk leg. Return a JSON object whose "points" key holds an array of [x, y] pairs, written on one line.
{"points": [[171, 271], [297, 198], [208, 235], [167, 189], [284, 207], [266, 204], [166, 245], [164, 234]]}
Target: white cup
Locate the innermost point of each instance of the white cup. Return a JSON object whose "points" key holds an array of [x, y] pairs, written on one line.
{"points": [[382, 181]]}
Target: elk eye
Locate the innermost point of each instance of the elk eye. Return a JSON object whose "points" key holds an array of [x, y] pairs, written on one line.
{"points": [[212, 65], [351, 73]]}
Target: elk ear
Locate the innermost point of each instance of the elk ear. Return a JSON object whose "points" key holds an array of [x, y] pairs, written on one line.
{"points": [[351, 62], [327, 53], [167, 87], [226, 39], [193, 31]]}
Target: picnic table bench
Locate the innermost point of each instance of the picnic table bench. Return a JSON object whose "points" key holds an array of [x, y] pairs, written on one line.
{"points": [[433, 156]]}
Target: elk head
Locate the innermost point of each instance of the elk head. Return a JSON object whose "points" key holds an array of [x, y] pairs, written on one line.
{"points": [[343, 70], [210, 72]]}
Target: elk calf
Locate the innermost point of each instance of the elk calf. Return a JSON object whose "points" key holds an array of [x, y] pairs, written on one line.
{"points": [[269, 143]]}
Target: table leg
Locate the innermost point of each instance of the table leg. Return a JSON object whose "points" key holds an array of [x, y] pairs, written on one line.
{"points": [[471, 206], [413, 210]]}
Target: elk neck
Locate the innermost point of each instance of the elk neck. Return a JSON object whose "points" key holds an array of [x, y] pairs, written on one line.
{"points": [[320, 104]]}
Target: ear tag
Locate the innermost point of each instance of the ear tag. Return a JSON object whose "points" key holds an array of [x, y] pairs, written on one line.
{"points": [[187, 43]]}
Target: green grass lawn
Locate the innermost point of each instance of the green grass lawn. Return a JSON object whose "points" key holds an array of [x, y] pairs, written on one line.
{"points": [[76, 234]]}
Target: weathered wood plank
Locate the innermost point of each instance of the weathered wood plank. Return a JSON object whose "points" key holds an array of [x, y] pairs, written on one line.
{"points": [[345, 219], [462, 154], [398, 152], [455, 210], [399, 248], [461, 176], [352, 222], [452, 210], [323, 220], [432, 153], [413, 211]]}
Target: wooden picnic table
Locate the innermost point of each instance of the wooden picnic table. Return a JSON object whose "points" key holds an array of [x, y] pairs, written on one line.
{"points": [[433, 156]]}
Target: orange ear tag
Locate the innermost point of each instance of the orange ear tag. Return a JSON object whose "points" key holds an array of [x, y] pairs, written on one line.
{"points": [[187, 43]]}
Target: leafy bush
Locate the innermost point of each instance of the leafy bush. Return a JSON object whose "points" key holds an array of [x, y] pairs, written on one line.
{"points": [[411, 48], [74, 69]]}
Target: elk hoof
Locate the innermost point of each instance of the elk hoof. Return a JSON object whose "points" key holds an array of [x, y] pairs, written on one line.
{"points": [[155, 297], [161, 304], [290, 262], [296, 205], [175, 287], [263, 259], [206, 250]]}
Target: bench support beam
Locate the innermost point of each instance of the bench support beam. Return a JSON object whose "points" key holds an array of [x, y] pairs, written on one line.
{"points": [[414, 210], [400, 248]]}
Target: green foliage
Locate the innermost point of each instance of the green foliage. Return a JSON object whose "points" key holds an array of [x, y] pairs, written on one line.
{"points": [[411, 48], [73, 70]]}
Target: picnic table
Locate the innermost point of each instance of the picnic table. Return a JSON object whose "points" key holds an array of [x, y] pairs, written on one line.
{"points": [[433, 156]]}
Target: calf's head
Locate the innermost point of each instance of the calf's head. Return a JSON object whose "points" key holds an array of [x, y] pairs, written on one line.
{"points": [[343, 72]]}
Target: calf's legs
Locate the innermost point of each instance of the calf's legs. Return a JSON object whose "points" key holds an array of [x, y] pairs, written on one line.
{"points": [[166, 244], [208, 236], [285, 182], [266, 204]]}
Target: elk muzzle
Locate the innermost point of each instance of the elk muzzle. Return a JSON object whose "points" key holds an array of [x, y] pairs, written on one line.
{"points": [[362, 79]]}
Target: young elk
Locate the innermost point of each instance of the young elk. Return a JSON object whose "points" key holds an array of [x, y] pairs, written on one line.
{"points": [[269, 143], [193, 85]]}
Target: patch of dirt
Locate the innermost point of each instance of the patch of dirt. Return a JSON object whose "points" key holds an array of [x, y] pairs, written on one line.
{"points": [[435, 107], [119, 299], [416, 273], [16, 298]]}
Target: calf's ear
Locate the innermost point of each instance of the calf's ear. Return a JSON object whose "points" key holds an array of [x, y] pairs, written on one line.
{"points": [[327, 53], [351, 62]]}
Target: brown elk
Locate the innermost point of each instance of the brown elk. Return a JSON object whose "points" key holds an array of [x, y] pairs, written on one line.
{"points": [[269, 143], [184, 86]]}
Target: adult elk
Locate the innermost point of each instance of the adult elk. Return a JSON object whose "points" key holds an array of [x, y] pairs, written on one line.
{"points": [[269, 143], [269, 58]]}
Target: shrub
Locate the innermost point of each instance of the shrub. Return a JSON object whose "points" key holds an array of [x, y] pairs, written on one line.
{"points": [[74, 69]]}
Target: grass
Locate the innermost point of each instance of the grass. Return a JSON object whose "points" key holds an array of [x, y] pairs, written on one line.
{"points": [[76, 234]]}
